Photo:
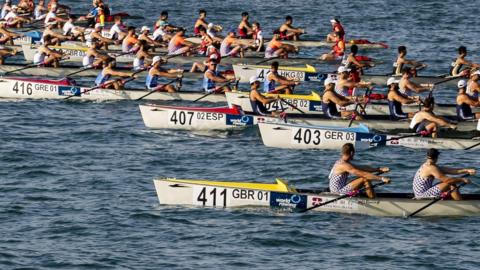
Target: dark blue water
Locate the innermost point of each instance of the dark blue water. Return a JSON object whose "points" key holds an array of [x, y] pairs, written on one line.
{"points": [[76, 177]]}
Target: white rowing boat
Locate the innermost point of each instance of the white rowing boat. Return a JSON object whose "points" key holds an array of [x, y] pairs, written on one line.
{"points": [[205, 193], [245, 72], [34, 88], [290, 136]]}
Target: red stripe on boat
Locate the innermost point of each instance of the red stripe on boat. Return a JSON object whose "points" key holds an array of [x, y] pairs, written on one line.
{"points": [[225, 110]]}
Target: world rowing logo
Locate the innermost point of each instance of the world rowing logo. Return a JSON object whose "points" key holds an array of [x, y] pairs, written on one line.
{"points": [[68, 91]]}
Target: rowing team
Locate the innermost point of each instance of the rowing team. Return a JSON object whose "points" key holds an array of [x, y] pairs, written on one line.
{"points": [[423, 180]]}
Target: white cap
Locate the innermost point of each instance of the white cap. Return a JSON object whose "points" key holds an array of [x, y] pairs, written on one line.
{"points": [[210, 25], [461, 83], [333, 21], [145, 28], [156, 59], [213, 57], [14, 7], [98, 25], [254, 79], [476, 73], [392, 80], [342, 69], [328, 81]]}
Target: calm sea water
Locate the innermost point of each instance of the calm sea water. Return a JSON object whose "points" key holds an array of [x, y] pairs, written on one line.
{"points": [[76, 177]]}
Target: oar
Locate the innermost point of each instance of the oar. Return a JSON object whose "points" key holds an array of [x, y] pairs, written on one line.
{"points": [[350, 195], [291, 105], [473, 146], [367, 93], [78, 71], [213, 92], [438, 198], [267, 59], [30, 66], [156, 90]]}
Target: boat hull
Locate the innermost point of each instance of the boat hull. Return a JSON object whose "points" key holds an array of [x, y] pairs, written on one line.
{"points": [[215, 194]]}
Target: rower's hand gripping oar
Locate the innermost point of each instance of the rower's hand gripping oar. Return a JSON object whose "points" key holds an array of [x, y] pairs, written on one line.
{"points": [[439, 198]]}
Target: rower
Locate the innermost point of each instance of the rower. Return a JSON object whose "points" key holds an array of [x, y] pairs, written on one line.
{"points": [[345, 86], [96, 36], [337, 29], [200, 22], [465, 103], [211, 77], [423, 186], [6, 8], [397, 99], [272, 78], [26, 6], [457, 66], [118, 30], [351, 62], [178, 44], [163, 29], [277, 49], [93, 58], [288, 32], [6, 35], [145, 35], [401, 63], [212, 54], [330, 101], [14, 20], [257, 43], [337, 52], [206, 41], [343, 167], [244, 27], [104, 77], [128, 43], [426, 122], [473, 86], [230, 46], [212, 31], [76, 32], [52, 16], [407, 87], [258, 100], [141, 55], [156, 71], [46, 56], [55, 37], [40, 11]]}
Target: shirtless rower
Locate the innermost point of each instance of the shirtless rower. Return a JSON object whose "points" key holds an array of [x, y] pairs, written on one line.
{"points": [[343, 167], [178, 44], [7, 36], [211, 77], [118, 31], [96, 36], [465, 103], [105, 80], [200, 22], [397, 99], [402, 62], [330, 100], [423, 186], [55, 37], [345, 86], [14, 20], [272, 78], [407, 87], [257, 100], [337, 52], [473, 86], [230, 46], [128, 43], [457, 67], [337, 29], [93, 58], [156, 71], [351, 62], [145, 35], [288, 32], [46, 56], [425, 121], [244, 27], [277, 49], [76, 32]]}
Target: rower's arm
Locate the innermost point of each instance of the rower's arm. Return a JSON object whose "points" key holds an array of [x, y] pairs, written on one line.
{"points": [[361, 173], [216, 78], [415, 87], [340, 100], [294, 29], [282, 80], [166, 74], [402, 99], [263, 99], [120, 73], [468, 100], [102, 38], [54, 53], [447, 170], [438, 174], [438, 120], [468, 63], [356, 62]]}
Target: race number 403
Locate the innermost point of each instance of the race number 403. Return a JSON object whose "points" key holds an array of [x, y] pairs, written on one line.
{"points": [[306, 136]]}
